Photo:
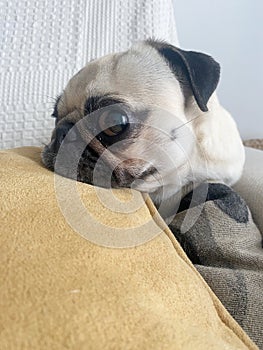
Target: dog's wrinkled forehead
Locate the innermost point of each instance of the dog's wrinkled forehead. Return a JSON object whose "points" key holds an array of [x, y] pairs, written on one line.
{"points": [[138, 76]]}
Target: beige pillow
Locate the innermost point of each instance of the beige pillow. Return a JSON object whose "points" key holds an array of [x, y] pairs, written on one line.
{"points": [[67, 284]]}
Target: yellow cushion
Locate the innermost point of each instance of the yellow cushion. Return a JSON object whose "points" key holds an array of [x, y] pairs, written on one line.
{"points": [[68, 283]]}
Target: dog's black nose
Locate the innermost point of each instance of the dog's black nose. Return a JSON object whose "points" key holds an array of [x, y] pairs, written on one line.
{"points": [[60, 133]]}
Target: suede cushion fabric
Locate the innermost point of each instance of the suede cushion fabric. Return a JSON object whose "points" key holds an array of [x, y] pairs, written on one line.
{"points": [[59, 290]]}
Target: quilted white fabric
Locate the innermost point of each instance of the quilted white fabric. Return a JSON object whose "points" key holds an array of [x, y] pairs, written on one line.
{"points": [[43, 43]]}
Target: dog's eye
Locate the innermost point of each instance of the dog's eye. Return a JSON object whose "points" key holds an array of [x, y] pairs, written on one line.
{"points": [[113, 123]]}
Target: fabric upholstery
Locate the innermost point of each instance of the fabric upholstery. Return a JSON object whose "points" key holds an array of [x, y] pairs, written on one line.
{"points": [[226, 248], [250, 186], [61, 291], [44, 43]]}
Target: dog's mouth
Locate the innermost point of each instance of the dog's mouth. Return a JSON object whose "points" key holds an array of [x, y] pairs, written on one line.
{"points": [[98, 166]]}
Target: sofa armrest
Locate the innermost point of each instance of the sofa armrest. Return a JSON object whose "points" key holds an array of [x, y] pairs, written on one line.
{"points": [[250, 186]]}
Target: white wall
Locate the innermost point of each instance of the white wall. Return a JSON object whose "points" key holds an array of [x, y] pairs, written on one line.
{"points": [[232, 32]]}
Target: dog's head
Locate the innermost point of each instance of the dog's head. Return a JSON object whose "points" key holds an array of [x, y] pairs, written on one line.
{"points": [[124, 120]]}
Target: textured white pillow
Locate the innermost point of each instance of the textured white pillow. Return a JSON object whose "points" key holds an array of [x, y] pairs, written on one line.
{"points": [[43, 43]]}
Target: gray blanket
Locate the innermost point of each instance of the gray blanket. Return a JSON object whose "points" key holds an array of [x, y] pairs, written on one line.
{"points": [[226, 248]]}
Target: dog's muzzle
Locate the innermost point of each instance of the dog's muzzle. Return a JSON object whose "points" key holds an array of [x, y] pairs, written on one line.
{"points": [[90, 162]]}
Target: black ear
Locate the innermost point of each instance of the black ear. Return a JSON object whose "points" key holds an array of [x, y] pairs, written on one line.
{"points": [[200, 70]]}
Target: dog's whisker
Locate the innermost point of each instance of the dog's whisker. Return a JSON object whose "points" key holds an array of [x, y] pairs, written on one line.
{"points": [[157, 178], [51, 98], [189, 121]]}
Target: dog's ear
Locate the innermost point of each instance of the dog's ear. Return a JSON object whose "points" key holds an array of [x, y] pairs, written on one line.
{"points": [[199, 70]]}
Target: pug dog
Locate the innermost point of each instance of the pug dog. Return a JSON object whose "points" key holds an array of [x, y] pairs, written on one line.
{"points": [[147, 118]]}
